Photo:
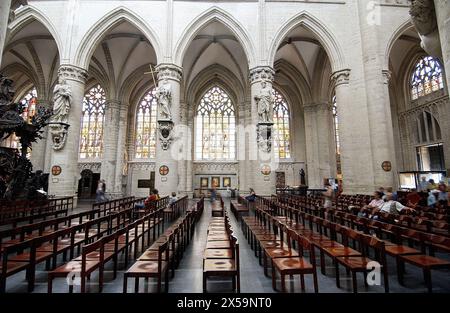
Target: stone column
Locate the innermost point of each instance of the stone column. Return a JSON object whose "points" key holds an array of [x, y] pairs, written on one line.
{"points": [[166, 156], [377, 99], [190, 115], [5, 7], [66, 184], [39, 148], [443, 21], [356, 156], [184, 137], [264, 184], [121, 151], [241, 147], [110, 140], [318, 143]]}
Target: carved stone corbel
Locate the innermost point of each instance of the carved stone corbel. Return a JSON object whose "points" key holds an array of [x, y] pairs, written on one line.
{"points": [[165, 128], [58, 134]]}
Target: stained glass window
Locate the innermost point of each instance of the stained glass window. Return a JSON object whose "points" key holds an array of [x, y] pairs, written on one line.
{"points": [[146, 126], [426, 78], [282, 140], [215, 127], [336, 134], [92, 120], [28, 103]]}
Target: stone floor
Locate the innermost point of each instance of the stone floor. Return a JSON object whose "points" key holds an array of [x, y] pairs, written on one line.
{"points": [[188, 276]]}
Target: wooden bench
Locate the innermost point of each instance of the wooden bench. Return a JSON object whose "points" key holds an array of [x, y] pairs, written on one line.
{"points": [[221, 256], [238, 209]]}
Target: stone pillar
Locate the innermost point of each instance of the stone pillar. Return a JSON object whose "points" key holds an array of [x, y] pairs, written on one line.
{"points": [[39, 148], [318, 142], [242, 147], [5, 7], [260, 161], [377, 99], [185, 146], [110, 140], [443, 21], [66, 184], [121, 151], [355, 152], [190, 115], [166, 156]]}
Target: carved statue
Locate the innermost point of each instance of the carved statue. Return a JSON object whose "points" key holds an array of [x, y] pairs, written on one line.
{"points": [[264, 101], [62, 97], [15, 167], [423, 17], [264, 138], [164, 95]]}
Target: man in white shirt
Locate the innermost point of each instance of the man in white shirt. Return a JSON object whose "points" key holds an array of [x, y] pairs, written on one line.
{"points": [[393, 207]]}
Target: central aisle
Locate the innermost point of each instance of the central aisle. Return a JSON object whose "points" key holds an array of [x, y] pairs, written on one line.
{"points": [[188, 276]]}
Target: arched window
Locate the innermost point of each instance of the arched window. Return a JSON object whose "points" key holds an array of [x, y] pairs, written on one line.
{"points": [[282, 135], [426, 78], [93, 117], [215, 127], [428, 129], [336, 134], [28, 103], [145, 142]]}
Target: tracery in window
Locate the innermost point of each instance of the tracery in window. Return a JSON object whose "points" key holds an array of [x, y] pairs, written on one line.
{"points": [[215, 127], [282, 139], [145, 131], [426, 78], [92, 122]]}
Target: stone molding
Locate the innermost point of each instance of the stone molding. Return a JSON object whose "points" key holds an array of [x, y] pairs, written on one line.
{"points": [[169, 71], [341, 77], [261, 73], [71, 72]]}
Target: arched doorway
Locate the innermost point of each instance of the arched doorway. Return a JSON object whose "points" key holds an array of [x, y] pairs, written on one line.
{"points": [[87, 184]]}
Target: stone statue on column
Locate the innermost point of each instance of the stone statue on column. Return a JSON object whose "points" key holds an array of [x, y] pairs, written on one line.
{"points": [[264, 101], [164, 95], [62, 98]]}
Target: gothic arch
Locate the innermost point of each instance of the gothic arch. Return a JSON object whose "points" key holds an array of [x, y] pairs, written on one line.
{"points": [[315, 26], [215, 75], [27, 15], [93, 36], [395, 36], [211, 15]]}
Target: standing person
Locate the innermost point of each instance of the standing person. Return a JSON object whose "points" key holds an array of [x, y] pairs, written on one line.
{"points": [[442, 195], [423, 184], [213, 194], [432, 185], [100, 193], [328, 196]]}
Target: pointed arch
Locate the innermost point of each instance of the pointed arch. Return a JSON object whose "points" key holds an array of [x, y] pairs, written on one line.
{"points": [[315, 26], [212, 15], [28, 14], [406, 25], [95, 34]]}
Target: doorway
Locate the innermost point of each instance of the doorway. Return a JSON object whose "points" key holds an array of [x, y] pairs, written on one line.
{"points": [[87, 184]]}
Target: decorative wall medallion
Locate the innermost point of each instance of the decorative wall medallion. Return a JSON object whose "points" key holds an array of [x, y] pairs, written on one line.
{"points": [[165, 133], [386, 166], [266, 170], [56, 170], [164, 170]]}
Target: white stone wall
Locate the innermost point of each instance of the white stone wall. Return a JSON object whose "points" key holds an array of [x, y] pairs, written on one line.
{"points": [[342, 28]]}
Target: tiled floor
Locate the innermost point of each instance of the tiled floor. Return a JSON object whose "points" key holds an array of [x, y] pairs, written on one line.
{"points": [[188, 276]]}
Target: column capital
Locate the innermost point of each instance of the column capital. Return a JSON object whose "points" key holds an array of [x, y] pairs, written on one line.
{"points": [[261, 73], [113, 104], [71, 72], [169, 71], [341, 77], [316, 106], [387, 75]]}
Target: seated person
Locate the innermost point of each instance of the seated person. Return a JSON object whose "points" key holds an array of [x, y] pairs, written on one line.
{"points": [[376, 203], [442, 195], [173, 198], [252, 196], [393, 207]]}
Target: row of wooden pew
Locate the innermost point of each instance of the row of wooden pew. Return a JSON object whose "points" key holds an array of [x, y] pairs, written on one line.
{"points": [[165, 253], [221, 255]]}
